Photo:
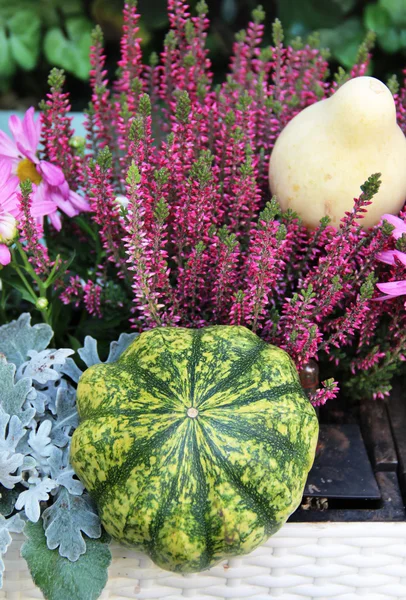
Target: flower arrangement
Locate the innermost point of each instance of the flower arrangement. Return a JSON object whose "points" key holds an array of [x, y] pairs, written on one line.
{"points": [[181, 225], [182, 229], [163, 216]]}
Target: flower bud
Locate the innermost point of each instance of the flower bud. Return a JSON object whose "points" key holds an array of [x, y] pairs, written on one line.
{"points": [[8, 229], [41, 304], [78, 142], [122, 201]]}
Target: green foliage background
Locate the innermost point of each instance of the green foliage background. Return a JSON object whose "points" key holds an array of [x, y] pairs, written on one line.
{"points": [[38, 34]]}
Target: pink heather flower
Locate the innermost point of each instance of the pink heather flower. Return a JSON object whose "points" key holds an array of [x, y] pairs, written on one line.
{"points": [[50, 188], [399, 225], [328, 391]]}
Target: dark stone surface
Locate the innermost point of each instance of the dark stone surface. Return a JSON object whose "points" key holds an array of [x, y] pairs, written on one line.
{"points": [[341, 468], [390, 508], [397, 416], [343, 485], [377, 435]]}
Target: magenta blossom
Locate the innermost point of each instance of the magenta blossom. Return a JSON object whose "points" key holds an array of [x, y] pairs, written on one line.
{"points": [[50, 188]]}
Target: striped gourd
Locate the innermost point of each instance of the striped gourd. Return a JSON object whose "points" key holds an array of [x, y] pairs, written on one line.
{"points": [[195, 444]]}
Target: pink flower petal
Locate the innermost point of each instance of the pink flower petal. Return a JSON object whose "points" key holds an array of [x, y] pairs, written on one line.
{"points": [[64, 189], [16, 127], [9, 188], [388, 257], [56, 220], [399, 224], [31, 131], [8, 227], [7, 146], [5, 170], [26, 152], [5, 256], [63, 204], [43, 209], [42, 204], [51, 173], [79, 202], [392, 288]]}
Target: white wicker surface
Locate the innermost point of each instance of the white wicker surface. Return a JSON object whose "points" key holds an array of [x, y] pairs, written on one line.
{"points": [[303, 561]]}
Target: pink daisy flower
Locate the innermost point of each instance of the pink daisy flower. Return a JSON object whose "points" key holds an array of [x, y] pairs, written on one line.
{"points": [[392, 289], [50, 188]]}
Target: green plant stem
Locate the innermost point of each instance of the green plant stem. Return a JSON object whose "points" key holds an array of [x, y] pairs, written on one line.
{"points": [[42, 287], [26, 282]]}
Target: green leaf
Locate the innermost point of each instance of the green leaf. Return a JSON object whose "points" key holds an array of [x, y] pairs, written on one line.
{"points": [[22, 54], [302, 17], [73, 7], [403, 38], [7, 64], [56, 576], [344, 40], [25, 28], [8, 499], [396, 10], [56, 49], [391, 42], [71, 53], [376, 18], [18, 285], [24, 23], [77, 27], [74, 342]]}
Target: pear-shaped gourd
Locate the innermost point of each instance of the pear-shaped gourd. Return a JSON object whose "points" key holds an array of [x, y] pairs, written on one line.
{"points": [[328, 150]]}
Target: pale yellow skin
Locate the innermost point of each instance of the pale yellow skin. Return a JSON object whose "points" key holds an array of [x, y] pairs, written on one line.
{"points": [[328, 150]]}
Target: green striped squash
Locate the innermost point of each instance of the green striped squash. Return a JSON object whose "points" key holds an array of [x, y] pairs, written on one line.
{"points": [[195, 444]]}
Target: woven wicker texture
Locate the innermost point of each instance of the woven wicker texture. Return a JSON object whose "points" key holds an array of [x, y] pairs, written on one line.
{"points": [[329, 561]]}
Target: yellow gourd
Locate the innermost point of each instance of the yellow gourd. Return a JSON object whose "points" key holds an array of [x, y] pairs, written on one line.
{"points": [[330, 148]]}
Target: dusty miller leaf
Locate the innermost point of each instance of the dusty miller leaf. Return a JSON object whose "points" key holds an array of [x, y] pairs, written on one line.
{"points": [[9, 463], [40, 442], [18, 338], [67, 418], [12, 397], [89, 353], [64, 522], [90, 356], [11, 431], [30, 499], [36, 400], [57, 577], [71, 369], [13, 524], [62, 472], [39, 367], [118, 347], [50, 391]]}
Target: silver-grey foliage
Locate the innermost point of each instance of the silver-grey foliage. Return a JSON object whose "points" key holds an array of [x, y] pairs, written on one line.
{"points": [[37, 418]]}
